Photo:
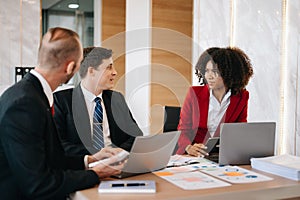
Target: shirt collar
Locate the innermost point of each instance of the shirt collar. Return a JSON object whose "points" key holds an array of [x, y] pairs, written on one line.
{"points": [[226, 97], [46, 87], [88, 95]]}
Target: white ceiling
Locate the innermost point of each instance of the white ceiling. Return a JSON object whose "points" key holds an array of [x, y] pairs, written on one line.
{"points": [[62, 5], [48, 3]]}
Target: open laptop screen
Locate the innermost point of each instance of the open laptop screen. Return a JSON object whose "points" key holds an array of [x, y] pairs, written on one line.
{"points": [[241, 141], [150, 153]]}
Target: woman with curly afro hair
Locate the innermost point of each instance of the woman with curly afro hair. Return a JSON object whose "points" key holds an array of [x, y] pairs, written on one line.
{"points": [[224, 73]]}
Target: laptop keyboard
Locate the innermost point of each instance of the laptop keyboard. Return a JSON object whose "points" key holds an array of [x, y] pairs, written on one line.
{"points": [[213, 157]]}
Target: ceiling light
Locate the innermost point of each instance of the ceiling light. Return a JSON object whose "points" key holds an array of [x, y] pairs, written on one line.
{"points": [[73, 5]]}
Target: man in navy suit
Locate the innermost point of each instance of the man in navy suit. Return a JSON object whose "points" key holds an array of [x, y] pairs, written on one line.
{"points": [[74, 108], [32, 160]]}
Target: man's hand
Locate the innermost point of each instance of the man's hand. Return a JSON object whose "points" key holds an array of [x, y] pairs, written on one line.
{"points": [[105, 152], [108, 167]]}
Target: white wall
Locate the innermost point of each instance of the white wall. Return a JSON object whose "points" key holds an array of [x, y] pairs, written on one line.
{"points": [[258, 27], [260, 38], [20, 37], [137, 68], [291, 130]]}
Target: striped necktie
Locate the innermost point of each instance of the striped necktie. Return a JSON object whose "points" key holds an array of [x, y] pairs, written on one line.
{"points": [[98, 142]]}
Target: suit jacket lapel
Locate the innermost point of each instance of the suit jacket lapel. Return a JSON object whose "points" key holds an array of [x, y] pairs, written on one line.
{"points": [[81, 116], [234, 102], [203, 106], [107, 100]]}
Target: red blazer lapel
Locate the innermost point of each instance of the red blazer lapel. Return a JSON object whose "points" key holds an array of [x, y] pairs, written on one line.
{"points": [[234, 102], [203, 103], [237, 109]]}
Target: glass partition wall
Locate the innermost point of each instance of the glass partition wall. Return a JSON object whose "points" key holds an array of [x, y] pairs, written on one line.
{"points": [[77, 15]]}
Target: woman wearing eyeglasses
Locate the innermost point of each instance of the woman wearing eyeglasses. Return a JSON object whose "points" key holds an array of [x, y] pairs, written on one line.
{"points": [[222, 98]]}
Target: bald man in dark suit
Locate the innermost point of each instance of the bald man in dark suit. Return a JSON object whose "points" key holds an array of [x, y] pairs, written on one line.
{"points": [[32, 160]]}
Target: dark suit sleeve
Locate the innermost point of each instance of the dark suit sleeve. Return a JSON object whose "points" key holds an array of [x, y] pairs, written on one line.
{"points": [[34, 155], [127, 128], [63, 118]]}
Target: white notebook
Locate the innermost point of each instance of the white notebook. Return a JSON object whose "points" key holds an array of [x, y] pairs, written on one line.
{"points": [[127, 186]]}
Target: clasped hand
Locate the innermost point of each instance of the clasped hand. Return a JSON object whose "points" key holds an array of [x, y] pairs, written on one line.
{"points": [[108, 168]]}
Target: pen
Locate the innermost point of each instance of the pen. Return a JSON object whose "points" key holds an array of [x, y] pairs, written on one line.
{"points": [[127, 184], [183, 164]]}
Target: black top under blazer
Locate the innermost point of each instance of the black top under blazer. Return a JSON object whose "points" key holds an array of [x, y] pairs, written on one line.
{"points": [[73, 122], [32, 160]]}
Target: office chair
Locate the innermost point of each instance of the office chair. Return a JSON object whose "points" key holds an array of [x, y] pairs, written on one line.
{"points": [[171, 118]]}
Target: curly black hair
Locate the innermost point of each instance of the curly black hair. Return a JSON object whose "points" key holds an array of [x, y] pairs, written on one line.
{"points": [[233, 64], [204, 58]]}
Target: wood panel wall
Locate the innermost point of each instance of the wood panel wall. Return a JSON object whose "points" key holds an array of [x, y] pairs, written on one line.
{"points": [[113, 36], [171, 56]]}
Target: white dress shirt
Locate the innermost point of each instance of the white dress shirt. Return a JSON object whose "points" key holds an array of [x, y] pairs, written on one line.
{"points": [[216, 111], [46, 87], [90, 105]]}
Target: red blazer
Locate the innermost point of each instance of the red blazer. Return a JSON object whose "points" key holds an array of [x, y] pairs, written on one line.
{"points": [[194, 114]]}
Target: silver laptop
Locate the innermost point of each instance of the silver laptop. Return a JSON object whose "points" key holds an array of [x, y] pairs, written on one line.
{"points": [[150, 153], [241, 141]]}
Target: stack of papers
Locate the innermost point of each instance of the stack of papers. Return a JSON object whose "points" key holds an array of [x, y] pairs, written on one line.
{"points": [[287, 166], [191, 180], [184, 172], [127, 186], [192, 173]]}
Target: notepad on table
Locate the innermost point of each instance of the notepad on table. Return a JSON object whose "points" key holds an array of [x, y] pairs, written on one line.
{"points": [[127, 186]]}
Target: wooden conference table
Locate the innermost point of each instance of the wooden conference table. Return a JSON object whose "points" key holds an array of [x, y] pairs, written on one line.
{"points": [[278, 188]]}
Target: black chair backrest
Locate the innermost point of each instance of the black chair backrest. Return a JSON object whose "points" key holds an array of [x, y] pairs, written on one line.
{"points": [[171, 118]]}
